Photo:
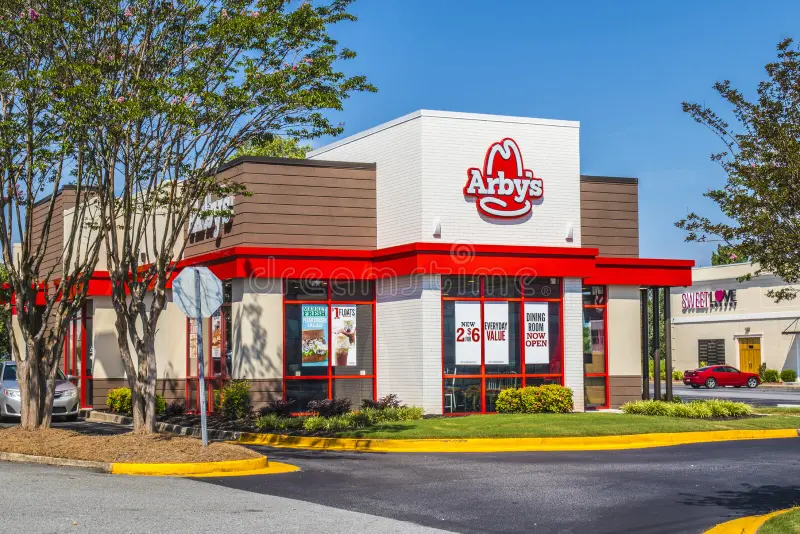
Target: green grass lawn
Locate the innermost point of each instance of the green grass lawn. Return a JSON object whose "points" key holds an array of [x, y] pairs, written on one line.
{"points": [[777, 411], [782, 524], [558, 425]]}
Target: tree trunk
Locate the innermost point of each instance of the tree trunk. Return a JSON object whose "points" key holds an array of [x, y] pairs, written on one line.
{"points": [[30, 387]]}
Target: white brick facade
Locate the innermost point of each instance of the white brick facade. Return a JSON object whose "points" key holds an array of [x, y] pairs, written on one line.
{"points": [[409, 324], [573, 339], [422, 161]]}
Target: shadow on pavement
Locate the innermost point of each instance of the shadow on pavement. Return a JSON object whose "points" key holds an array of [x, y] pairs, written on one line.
{"points": [[750, 500]]}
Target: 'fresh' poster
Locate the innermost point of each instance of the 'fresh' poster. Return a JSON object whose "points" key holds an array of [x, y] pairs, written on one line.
{"points": [[315, 335]]}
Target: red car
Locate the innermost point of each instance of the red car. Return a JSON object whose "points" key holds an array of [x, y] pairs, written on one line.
{"points": [[720, 375]]}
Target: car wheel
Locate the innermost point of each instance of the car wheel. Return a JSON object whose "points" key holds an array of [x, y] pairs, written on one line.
{"points": [[752, 382], [711, 383], [695, 386]]}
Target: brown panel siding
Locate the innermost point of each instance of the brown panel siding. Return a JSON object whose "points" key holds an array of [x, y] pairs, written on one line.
{"points": [[298, 203], [171, 389], [610, 215], [624, 389]]}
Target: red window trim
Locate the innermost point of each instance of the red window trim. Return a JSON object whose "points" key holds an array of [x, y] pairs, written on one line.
{"points": [[521, 375], [330, 377], [604, 374]]}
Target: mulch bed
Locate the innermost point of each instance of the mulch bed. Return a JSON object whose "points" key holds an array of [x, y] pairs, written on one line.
{"points": [[133, 448]]}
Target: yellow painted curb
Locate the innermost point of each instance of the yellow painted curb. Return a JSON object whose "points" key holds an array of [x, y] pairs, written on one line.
{"points": [[275, 468], [596, 443], [190, 469], [745, 525]]}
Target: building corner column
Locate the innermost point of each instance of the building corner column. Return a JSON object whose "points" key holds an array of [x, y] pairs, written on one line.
{"points": [[573, 340]]}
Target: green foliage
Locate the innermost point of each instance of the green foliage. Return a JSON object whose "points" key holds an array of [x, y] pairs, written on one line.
{"points": [[725, 255], [234, 399], [273, 146], [788, 375], [771, 376], [701, 409], [119, 401], [677, 375], [761, 158], [279, 407], [388, 401], [366, 417], [762, 369], [550, 398]]}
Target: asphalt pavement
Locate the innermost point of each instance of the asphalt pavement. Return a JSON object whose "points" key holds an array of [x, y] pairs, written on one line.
{"points": [[684, 489], [760, 396], [84, 501]]}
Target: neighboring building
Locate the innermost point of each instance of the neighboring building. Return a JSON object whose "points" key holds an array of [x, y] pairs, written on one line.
{"points": [[441, 257], [721, 320]]}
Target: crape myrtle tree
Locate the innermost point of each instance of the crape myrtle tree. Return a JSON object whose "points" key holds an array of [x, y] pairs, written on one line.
{"points": [[187, 82], [761, 200], [273, 146], [41, 151]]}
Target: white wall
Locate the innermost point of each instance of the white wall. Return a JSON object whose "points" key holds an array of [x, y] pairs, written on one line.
{"points": [[624, 331], [573, 339], [257, 309], [409, 328], [422, 162]]}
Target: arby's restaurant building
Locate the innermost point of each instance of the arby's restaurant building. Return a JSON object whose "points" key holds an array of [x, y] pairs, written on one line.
{"points": [[441, 257]]}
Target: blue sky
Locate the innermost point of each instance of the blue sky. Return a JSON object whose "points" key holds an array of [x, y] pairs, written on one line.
{"points": [[621, 68]]}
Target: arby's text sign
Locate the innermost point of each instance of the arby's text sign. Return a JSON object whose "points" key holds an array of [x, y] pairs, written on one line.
{"points": [[504, 188]]}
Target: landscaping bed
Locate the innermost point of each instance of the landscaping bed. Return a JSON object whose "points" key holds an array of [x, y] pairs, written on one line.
{"points": [[131, 448], [560, 425]]}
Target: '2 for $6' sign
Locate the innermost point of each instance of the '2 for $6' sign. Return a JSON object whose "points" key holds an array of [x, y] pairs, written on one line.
{"points": [[504, 188]]}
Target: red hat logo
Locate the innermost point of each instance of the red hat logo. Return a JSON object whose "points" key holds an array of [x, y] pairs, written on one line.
{"points": [[504, 188]]}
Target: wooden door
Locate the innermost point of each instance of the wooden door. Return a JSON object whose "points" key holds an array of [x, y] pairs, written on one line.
{"points": [[749, 354]]}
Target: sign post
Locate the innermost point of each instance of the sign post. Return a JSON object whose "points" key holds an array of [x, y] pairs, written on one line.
{"points": [[198, 294]]}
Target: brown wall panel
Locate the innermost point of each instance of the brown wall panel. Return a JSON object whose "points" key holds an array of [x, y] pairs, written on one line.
{"points": [[300, 203], [624, 389], [610, 215]]}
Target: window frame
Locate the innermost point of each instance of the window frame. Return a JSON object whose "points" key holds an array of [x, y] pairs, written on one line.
{"points": [[329, 301], [523, 376], [604, 374]]}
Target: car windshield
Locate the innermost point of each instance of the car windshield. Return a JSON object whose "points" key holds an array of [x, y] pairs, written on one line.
{"points": [[10, 373], [706, 368]]}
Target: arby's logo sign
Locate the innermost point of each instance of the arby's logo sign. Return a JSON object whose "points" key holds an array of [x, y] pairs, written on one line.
{"points": [[504, 188]]}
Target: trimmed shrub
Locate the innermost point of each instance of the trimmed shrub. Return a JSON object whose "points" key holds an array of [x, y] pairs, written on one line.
{"points": [[551, 398], [677, 376], [276, 423], [788, 375], [701, 409], [119, 401], [279, 407], [329, 407], [314, 424], [771, 375], [372, 416], [234, 400], [389, 401]]}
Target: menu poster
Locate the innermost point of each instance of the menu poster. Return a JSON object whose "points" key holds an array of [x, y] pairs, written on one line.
{"points": [[314, 325], [537, 333], [468, 333], [216, 336], [495, 332], [343, 325]]}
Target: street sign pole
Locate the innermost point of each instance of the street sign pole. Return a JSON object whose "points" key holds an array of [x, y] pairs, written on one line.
{"points": [[200, 361]]}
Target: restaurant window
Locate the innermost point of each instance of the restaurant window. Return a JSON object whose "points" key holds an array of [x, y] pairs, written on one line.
{"points": [[499, 332], [595, 357], [329, 348]]}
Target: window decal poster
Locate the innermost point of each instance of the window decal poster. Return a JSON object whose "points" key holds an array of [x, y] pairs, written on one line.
{"points": [[315, 335], [216, 336], [537, 333], [468, 333], [343, 325], [495, 332]]}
